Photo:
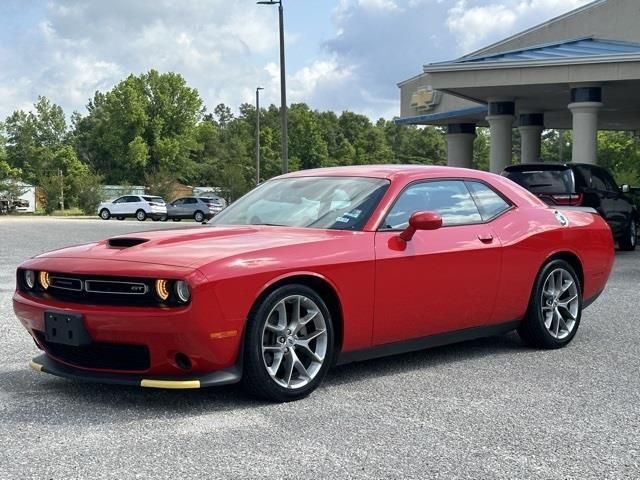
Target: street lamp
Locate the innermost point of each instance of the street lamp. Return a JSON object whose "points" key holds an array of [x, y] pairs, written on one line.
{"points": [[258, 134], [283, 87]]}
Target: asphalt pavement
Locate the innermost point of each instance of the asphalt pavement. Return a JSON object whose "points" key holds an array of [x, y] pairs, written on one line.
{"points": [[490, 408]]}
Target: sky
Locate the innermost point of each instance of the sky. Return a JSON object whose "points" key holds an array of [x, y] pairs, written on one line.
{"points": [[340, 54]]}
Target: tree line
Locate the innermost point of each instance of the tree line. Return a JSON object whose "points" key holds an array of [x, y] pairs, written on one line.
{"points": [[153, 129]]}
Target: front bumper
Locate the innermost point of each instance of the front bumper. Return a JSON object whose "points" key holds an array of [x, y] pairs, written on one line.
{"points": [[198, 331], [44, 363]]}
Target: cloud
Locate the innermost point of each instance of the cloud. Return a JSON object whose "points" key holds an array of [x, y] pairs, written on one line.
{"points": [[226, 49], [78, 47], [475, 26]]}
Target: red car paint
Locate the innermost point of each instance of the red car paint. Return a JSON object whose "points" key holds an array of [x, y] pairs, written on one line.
{"points": [[448, 279]]}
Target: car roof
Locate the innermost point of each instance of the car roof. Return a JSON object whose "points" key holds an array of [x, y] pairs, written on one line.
{"points": [[547, 166], [391, 172]]}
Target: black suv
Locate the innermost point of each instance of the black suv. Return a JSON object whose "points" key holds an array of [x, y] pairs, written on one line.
{"points": [[580, 184]]}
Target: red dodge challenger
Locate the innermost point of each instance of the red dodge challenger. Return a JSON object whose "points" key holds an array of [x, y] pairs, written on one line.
{"points": [[311, 269]]}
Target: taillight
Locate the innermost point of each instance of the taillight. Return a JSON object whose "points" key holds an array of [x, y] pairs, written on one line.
{"points": [[572, 199]]}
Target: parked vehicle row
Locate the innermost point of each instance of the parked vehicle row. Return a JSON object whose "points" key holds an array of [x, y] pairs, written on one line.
{"points": [[145, 206], [582, 185]]}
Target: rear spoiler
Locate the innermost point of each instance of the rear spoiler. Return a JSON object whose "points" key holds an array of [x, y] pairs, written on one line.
{"points": [[575, 209]]}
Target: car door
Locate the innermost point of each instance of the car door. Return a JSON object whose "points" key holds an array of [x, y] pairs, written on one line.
{"points": [[442, 280], [610, 204], [174, 208], [190, 207], [117, 206]]}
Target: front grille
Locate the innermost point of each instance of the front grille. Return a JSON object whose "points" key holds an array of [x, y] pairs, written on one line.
{"points": [[64, 283], [104, 356], [97, 290], [116, 287]]}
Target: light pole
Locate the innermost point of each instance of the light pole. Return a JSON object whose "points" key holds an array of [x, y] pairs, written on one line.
{"points": [[283, 87], [258, 134]]}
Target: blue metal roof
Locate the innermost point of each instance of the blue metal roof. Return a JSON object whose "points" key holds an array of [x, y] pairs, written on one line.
{"points": [[584, 47], [434, 117]]}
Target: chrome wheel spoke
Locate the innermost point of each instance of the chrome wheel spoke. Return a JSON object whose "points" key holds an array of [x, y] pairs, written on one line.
{"points": [[307, 350], [275, 365]]}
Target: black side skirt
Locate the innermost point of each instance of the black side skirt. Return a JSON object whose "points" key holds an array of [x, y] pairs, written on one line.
{"points": [[412, 345]]}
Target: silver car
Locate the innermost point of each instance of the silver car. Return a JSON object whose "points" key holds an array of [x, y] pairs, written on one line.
{"points": [[197, 208]]}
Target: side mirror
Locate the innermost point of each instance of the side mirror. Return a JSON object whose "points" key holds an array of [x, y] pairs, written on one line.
{"points": [[625, 188], [421, 221]]}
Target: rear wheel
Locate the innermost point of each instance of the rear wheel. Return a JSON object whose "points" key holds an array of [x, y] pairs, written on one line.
{"points": [[198, 216], [141, 215], [630, 238], [105, 214], [289, 344], [555, 307]]}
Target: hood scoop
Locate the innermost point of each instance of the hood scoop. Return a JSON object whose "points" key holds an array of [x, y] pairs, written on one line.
{"points": [[125, 242]]}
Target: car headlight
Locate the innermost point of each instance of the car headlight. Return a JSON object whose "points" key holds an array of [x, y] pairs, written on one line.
{"points": [[43, 277], [162, 290], [30, 279], [182, 291]]}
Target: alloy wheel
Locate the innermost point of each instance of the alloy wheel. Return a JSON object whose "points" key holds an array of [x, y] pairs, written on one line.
{"points": [[560, 303], [294, 342]]}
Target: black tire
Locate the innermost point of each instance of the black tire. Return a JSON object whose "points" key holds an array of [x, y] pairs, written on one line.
{"points": [[164, 218], [141, 215], [630, 238], [120, 218], [256, 380], [105, 214], [532, 329], [198, 216], [176, 219]]}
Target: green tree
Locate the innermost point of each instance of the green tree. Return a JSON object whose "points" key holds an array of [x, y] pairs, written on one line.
{"points": [[306, 144], [145, 123]]}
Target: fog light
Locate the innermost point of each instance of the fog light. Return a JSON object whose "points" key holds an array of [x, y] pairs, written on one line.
{"points": [[30, 279], [44, 279], [182, 291], [162, 290]]}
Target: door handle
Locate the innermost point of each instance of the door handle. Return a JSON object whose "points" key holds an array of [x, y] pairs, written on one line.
{"points": [[485, 237]]}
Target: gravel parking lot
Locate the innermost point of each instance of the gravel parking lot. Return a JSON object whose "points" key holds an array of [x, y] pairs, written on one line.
{"points": [[490, 408]]}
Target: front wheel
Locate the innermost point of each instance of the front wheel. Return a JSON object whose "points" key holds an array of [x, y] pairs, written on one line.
{"points": [[105, 214], [289, 344], [141, 215], [630, 238], [198, 216], [555, 307]]}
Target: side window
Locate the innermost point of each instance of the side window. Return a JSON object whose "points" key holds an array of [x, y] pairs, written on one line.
{"points": [[178, 202], [488, 201], [120, 200], [191, 200], [597, 181], [611, 184], [133, 199], [449, 198], [582, 177]]}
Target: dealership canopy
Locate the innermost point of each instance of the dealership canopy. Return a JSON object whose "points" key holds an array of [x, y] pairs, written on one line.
{"points": [[579, 71]]}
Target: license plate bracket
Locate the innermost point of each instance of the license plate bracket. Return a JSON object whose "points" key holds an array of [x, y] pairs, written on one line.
{"points": [[65, 329]]}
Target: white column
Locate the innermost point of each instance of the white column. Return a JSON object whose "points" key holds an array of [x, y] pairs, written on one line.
{"points": [[460, 137], [585, 131], [500, 118], [530, 126]]}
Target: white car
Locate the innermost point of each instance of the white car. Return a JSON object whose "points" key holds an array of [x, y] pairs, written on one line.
{"points": [[139, 206]]}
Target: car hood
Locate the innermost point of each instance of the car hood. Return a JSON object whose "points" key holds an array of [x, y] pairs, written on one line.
{"points": [[195, 247]]}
